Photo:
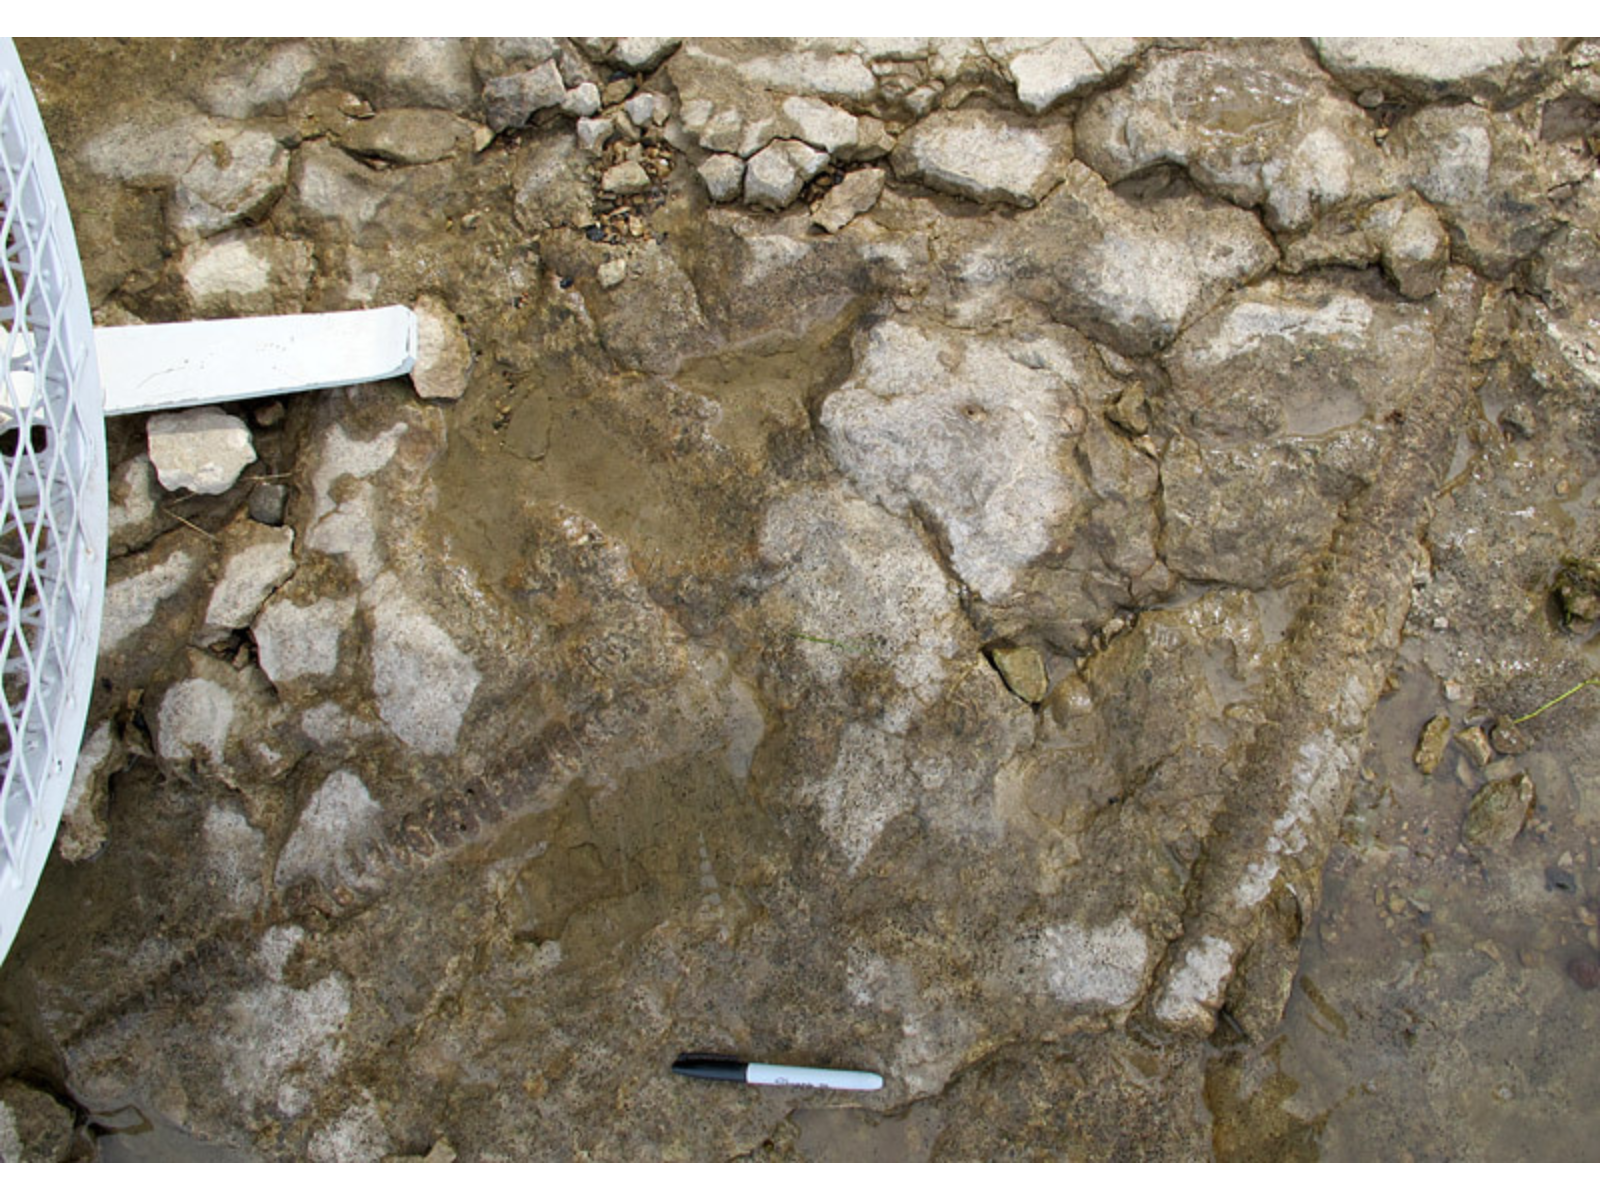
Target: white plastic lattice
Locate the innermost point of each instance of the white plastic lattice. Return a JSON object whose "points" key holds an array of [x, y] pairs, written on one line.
{"points": [[52, 496]]}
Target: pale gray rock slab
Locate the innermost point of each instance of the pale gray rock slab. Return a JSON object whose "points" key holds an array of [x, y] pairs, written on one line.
{"points": [[220, 173], [245, 273], [625, 179], [421, 679], [236, 179], [1495, 71], [823, 125], [199, 449], [444, 356], [550, 175], [594, 132], [1131, 274], [853, 195], [265, 83], [1274, 401], [194, 722], [338, 820], [723, 175], [137, 588], [84, 823], [332, 185], [1059, 68], [773, 178], [511, 100], [642, 54], [1258, 134], [582, 100], [297, 642], [414, 72], [1296, 357], [1484, 177], [984, 156], [234, 853], [256, 559], [218, 722], [409, 136], [970, 431], [132, 519]]}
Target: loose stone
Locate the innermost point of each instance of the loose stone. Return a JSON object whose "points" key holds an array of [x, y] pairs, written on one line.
{"points": [[723, 175], [1475, 742], [199, 449], [444, 358], [1431, 745], [1498, 812], [1022, 668], [625, 179]]}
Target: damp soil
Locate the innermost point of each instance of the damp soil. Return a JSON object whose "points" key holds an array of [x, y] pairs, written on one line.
{"points": [[1443, 1005]]}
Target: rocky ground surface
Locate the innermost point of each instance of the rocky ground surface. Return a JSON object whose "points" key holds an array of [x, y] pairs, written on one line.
{"points": [[1010, 564]]}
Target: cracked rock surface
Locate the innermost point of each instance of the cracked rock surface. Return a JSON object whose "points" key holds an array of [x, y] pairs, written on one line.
{"points": [[926, 555]]}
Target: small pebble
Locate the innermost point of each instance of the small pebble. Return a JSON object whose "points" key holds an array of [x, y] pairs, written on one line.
{"points": [[1509, 738], [1584, 970], [612, 272], [1370, 98], [267, 504], [1475, 742], [269, 415]]}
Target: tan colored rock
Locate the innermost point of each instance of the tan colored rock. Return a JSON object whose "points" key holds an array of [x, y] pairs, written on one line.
{"points": [[1022, 667], [1432, 744], [1498, 812], [444, 357], [855, 194]]}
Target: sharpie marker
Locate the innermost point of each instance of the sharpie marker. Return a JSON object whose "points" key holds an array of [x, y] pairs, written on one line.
{"points": [[733, 1070]]}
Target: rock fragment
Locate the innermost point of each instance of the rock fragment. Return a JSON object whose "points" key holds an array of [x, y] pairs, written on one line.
{"points": [[1577, 591], [1432, 744], [581, 101], [84, 819], [853, 195], [256, 559], [34, 1126], [409, 136], [512, 100], [1022, 668], [1498, 812], [1132, 275], [983, 156], [774, 177], [625, 179], [1416, 251], [1482, 175], [296, 642], [723, 175], [1492, 71], [1256, 135], [1474, 743], [1062, 67], [199, 449], [268, 502], [444, 357]]}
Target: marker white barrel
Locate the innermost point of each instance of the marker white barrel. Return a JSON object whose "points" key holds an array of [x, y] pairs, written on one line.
{"points": [[770, 1075], [733, 1070]]}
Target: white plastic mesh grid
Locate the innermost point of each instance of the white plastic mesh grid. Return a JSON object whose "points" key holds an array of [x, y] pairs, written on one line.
{"points": [[52, 496]]}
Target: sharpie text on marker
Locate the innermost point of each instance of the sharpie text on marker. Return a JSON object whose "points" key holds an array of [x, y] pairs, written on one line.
{"points": [[733, 1070]]}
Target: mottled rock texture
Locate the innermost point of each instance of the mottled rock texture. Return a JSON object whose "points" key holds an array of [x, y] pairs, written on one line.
{"points": [[926, 554]]}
